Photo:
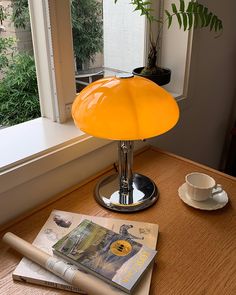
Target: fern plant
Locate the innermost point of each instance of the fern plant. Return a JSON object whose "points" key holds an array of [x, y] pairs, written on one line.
{"points": [[189, 15]]}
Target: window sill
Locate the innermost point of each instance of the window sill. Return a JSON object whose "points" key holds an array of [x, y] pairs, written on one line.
{"points": [[32, 148]]}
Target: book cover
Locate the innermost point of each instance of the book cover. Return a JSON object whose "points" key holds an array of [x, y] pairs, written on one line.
{"points": [[115, 258], [61, 223]]}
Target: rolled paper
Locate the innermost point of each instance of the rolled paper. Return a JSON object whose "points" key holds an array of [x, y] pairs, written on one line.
{"points": [[86, 282]]}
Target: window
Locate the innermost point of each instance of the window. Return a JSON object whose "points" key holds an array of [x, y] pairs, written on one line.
{"points": [[124, 36]]}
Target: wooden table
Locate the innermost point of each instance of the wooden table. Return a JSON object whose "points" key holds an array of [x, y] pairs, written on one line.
{"points": [[197, 249]]}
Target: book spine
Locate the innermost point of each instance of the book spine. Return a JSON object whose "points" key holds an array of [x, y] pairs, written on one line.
{"points": [[47, 284]]}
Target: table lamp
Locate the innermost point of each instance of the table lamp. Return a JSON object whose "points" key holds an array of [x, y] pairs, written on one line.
{"points": [[125, 108]]}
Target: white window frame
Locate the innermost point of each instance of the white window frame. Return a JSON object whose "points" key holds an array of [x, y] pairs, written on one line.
{"points": [[50, 20]]}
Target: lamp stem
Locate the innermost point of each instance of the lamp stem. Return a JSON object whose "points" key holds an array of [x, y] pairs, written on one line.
{"points": [[126, 191], [125, 150]]}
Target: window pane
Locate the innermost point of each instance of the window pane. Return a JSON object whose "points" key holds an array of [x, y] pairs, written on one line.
{"points": [[124, 36], [19, 100], [87, 31], [107, 38]]}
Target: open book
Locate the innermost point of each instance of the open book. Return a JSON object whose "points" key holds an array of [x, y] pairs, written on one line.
{"points": [[59, 224]]}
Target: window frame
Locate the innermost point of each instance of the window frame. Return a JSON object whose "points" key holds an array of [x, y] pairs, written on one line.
{"points": [[53, 57]]}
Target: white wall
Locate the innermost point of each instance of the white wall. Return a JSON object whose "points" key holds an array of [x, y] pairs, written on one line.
{"points": [[124, 36], [204, 121]]}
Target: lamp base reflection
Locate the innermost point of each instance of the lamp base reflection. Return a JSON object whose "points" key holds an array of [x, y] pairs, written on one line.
{"points": [[143, 194]]}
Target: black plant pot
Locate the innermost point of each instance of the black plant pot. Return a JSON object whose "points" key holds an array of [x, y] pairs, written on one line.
{"points": [[161, 78]]}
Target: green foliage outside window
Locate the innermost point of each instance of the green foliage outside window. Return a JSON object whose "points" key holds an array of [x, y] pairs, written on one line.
{"points": [[6, 52], [19, 100], [3, 14], [20, 13], [87, 29]]}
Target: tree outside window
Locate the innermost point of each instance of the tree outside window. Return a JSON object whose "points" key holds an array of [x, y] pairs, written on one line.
{"points": [[87, 30]]}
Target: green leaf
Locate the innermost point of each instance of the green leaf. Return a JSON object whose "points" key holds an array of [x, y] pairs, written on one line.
{"points": [[220, 25], [205, 10], [216, 28], [169, 18], [147, 3], [174, 9], [213, 21], [136, 8], [182, 6], [185, 21], [208, 19], [201, 15], [190, 7], [178, 15], [195, 7], [190, 21], [199, 8]]}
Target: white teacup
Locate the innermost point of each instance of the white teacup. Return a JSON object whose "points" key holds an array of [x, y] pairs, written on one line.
{"points": [[201, 187]]}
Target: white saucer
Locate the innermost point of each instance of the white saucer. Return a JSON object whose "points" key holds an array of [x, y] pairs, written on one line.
{"points": [[216, 202]]}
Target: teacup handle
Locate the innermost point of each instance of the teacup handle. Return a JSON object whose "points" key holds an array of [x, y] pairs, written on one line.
{"points": [[217, 189]]}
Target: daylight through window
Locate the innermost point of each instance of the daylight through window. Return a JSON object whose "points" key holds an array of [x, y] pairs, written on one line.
{"points": [[107, 38]]}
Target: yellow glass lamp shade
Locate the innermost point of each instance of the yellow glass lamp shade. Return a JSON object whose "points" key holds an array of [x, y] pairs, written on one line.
{"points": [[124, 108]]}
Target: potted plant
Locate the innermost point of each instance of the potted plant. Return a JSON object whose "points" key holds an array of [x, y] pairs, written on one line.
{"points": [[188, 15]]}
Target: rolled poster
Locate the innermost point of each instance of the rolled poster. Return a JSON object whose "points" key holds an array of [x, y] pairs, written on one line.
{"points": [[88, 283]]}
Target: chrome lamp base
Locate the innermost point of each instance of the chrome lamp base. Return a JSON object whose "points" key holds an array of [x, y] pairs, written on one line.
{"points": [[143, 194]]}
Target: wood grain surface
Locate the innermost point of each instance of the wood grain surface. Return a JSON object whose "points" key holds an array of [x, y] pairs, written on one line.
{"points": [[197, 249]]}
